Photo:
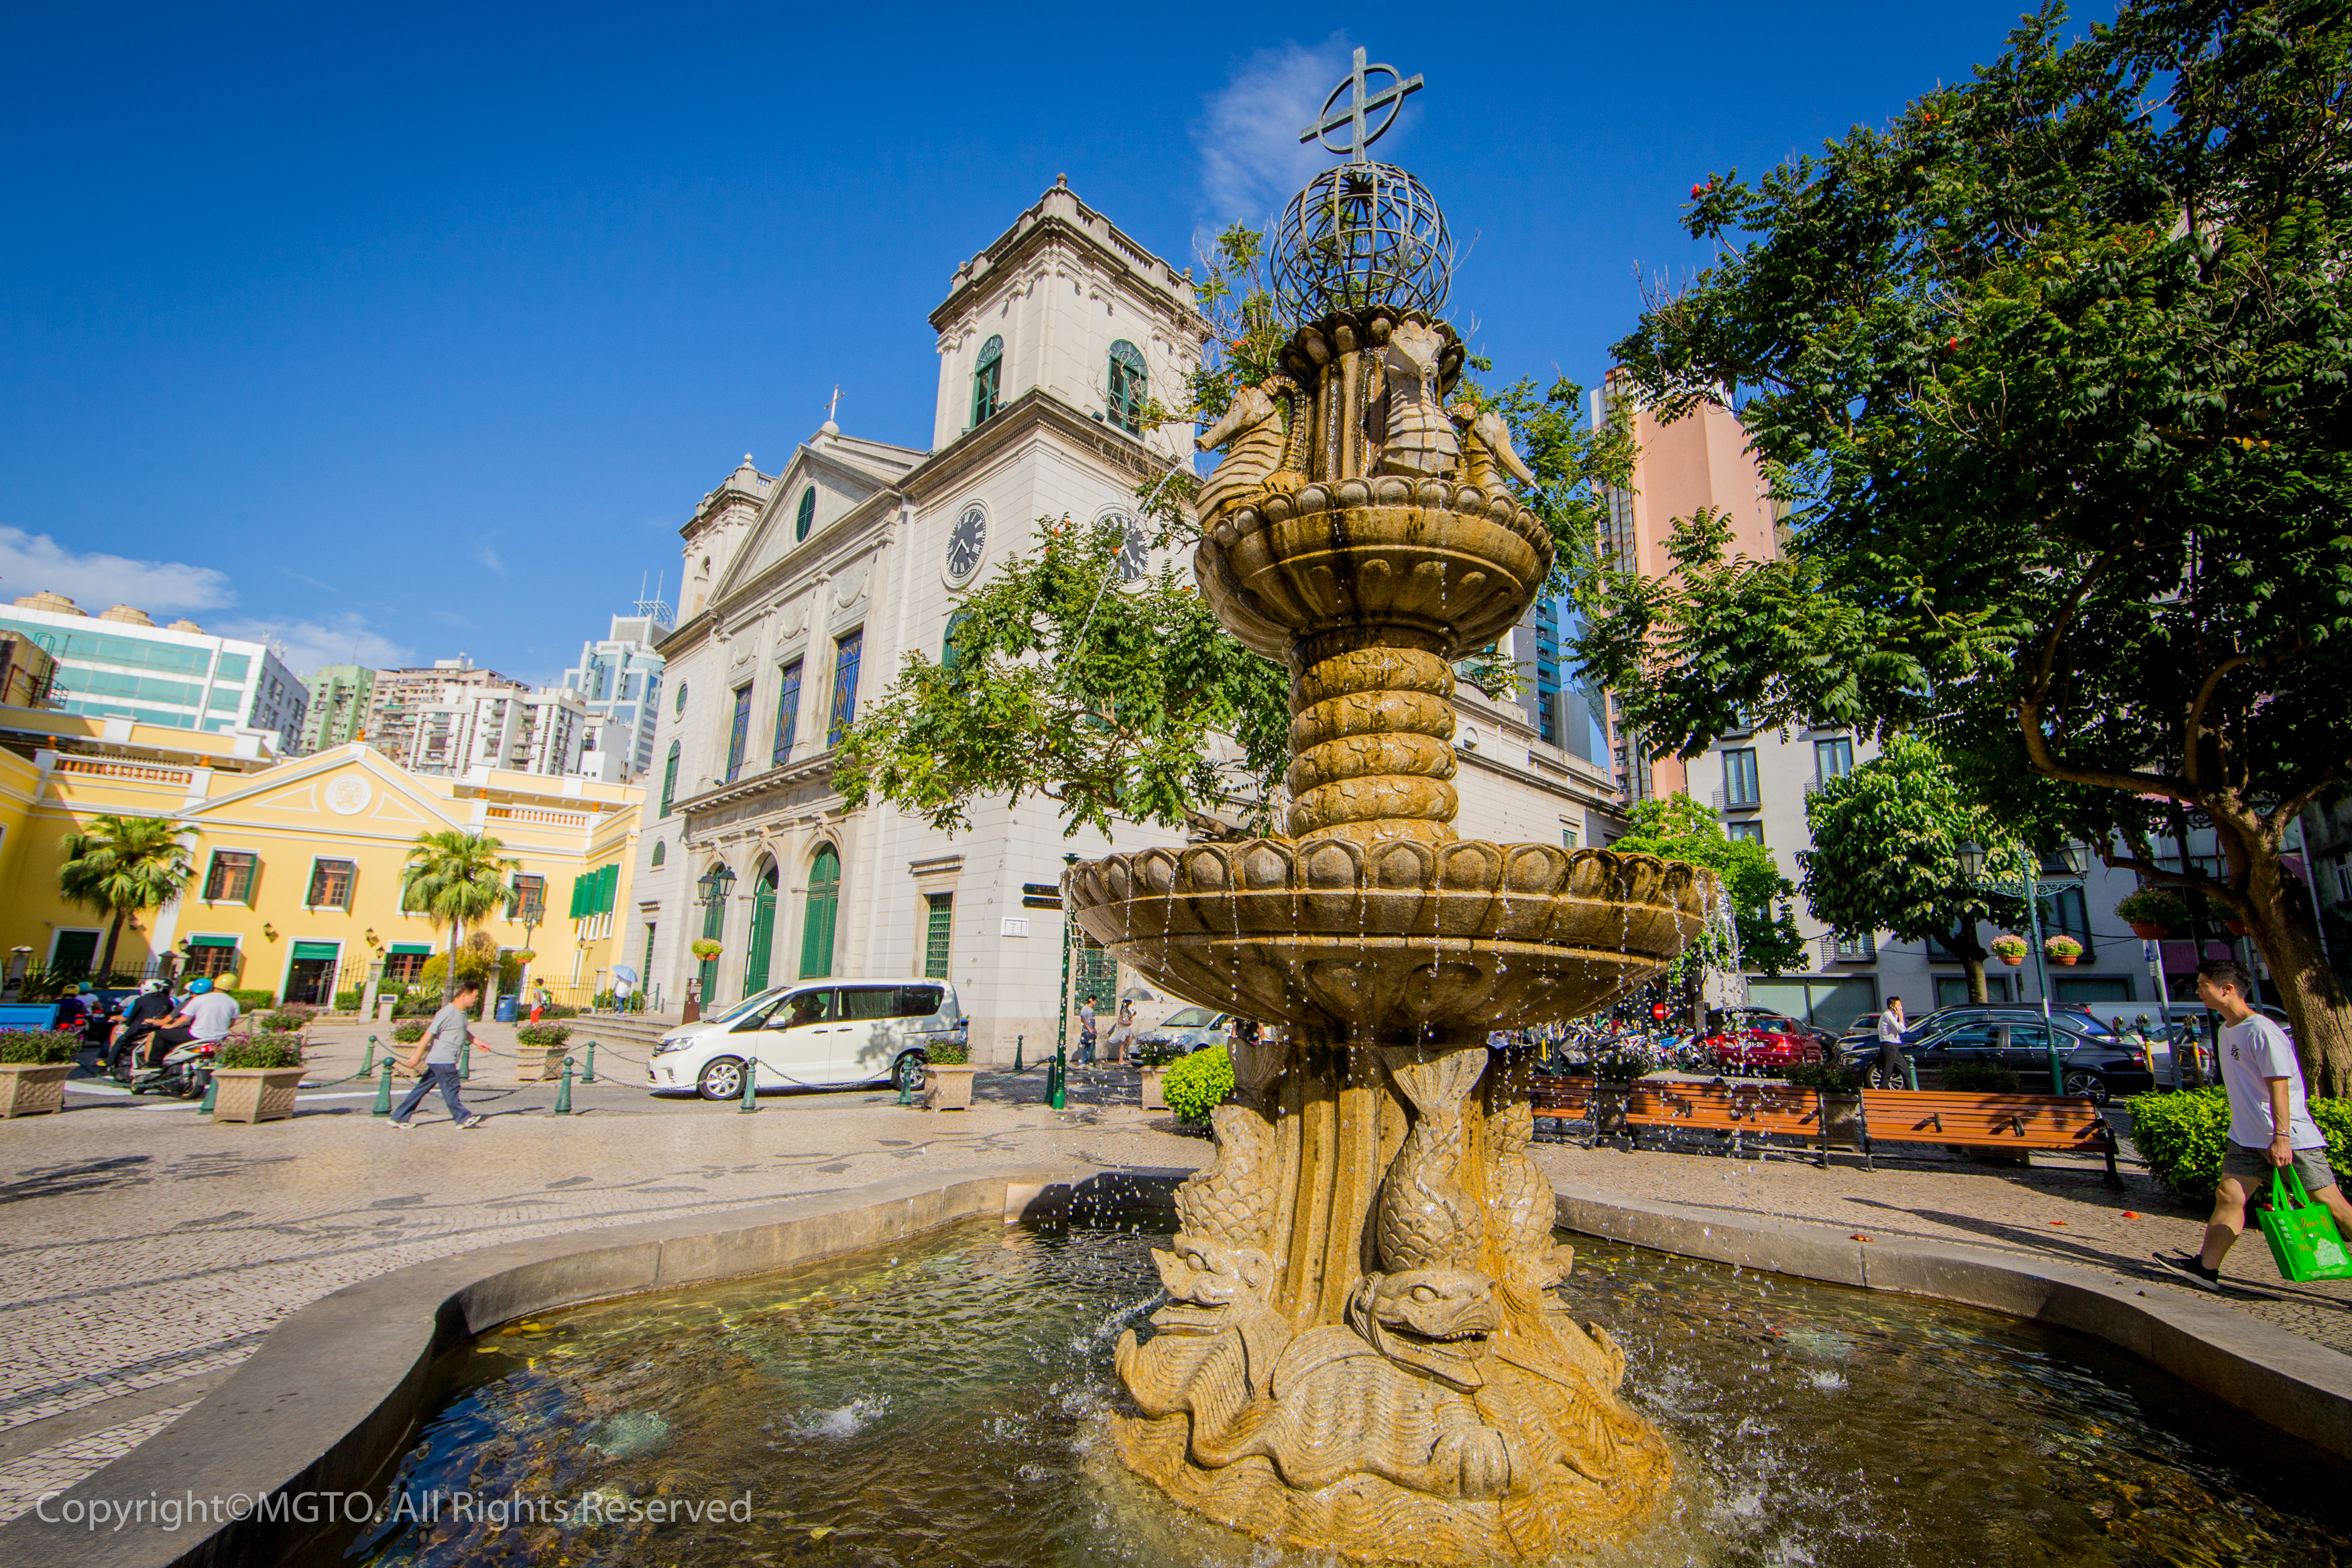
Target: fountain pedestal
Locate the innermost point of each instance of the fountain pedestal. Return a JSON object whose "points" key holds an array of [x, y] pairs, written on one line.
{"points": [[1362, 1351]]}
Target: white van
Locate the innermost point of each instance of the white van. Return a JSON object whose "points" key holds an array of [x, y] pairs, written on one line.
{"points": [[812, 1034]]}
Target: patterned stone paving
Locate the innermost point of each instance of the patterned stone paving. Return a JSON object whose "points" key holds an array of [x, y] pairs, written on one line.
{"points": [[144, 1252]]}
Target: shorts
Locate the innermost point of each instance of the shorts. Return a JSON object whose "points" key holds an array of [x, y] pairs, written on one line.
{"points": [[2253, 1168]]}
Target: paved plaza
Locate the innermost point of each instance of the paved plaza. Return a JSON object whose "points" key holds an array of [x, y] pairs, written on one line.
{"points": [[147, 1251]]}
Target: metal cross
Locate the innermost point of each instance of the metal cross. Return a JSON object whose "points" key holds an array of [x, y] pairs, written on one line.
{"points": [[1352, 118]]}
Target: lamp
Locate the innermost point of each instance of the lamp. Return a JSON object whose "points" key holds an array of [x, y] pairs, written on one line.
{"points": [[370, 937], [1972, 858], [716, 883], [270, 931], [2076, 855]]}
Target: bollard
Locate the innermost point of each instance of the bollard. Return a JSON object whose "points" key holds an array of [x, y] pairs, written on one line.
{"points": [[1017, 1054], [1911, 1073], [751, 1085], [465, 1059], [563, 1092], [906, 1090], [384, 1092], [1058, 1091], [590, 1076], [367, 1063], [212, 1091]]}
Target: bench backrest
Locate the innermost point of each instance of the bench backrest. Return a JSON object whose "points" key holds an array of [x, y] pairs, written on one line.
{"points": [[1760, 1107], [1895, 1111]]}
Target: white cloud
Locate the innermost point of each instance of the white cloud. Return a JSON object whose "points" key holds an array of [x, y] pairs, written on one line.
{"points": [[346, 640], [489, 557], [1252, 160], [32, 562]]}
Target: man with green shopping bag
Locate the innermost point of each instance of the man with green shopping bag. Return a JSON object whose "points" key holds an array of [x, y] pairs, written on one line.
{"points": [[2271, 1127]]}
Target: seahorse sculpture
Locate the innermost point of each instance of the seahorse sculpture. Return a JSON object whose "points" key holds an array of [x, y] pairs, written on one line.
{"points": [[1419, 438], [1259, 431], [1486, 449]]}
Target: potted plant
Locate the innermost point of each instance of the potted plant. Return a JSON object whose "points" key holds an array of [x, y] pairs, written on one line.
{"points": [[2010, 950], [256, 1079], [1614, 1073], [2152, 911], [538, 1051], [705, 948], [1153, 1059], [34, 1064], [1841, 1091], [947, 1078], [2062, 949], [281, 1022]]}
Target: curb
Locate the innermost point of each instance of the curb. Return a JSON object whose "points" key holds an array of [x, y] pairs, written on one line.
{"points": [[2282, 1379]]}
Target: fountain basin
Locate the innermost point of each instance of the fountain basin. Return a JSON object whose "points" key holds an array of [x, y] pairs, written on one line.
{"points": [[1419, 939]]}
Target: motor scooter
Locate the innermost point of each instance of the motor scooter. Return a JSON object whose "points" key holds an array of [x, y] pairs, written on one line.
{"points": [[186, 1070]]}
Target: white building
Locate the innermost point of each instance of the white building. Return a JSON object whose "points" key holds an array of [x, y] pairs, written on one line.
{"points": [[121, 664], [467, 729], [619, 680], [803, 588]]}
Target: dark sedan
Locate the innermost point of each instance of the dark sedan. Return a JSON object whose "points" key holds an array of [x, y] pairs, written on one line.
{"points": [[2095, 1062]]}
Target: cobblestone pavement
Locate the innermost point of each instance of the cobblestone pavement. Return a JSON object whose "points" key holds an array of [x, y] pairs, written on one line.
{"points": [[146, 1252]]}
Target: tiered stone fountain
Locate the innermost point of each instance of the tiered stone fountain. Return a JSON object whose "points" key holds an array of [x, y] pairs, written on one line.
{"points": [[1362, 1352]]}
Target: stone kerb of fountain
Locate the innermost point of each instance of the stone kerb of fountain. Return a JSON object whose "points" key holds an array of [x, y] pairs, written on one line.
{"points": [[1361, 1351]]}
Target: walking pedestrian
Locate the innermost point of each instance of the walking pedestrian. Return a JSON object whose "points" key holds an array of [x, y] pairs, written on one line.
{"points": [[437, 1049], [2270, 1122], [1122, 1033], [1085, 1031], [1890, 1044]]}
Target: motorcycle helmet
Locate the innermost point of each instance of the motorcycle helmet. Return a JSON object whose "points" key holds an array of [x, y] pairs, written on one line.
{"points": [[199, 986], [149, 988]]}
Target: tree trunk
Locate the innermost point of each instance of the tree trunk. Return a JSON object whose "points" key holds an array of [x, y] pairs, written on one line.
{"points": [[1975, 963], [449, 970], [113, 935], [2306, 986]]}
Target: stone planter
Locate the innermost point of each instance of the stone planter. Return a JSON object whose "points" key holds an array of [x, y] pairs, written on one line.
{"points": [[540, 1063], [946, 1088], [1608, 1110], [255, 1093], [1841, 1120], [32, 1089], [1154, 1100]]}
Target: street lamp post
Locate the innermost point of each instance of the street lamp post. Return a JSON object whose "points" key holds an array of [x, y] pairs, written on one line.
{"points": [[2031, 888], [715, 885]]}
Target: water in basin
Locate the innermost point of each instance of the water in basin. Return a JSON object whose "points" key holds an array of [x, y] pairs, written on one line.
{"points": [[939, 1402]]}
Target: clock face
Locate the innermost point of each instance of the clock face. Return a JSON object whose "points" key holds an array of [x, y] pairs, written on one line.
{"points": [[1131, 554], [966, 543]]}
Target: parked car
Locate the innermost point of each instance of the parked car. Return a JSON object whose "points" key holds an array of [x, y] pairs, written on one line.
{"points": [[1768, 1043], [1725, 1021], [2095, 1062], [1186, 1030], [810, 1034]]}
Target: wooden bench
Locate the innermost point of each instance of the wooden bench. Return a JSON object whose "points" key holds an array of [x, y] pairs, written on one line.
{"points": [[2021, 1122], [1733, 1109]]}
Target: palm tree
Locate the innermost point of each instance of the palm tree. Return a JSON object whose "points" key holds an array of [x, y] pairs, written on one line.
{"points": [[122, 865], [454, 876]]}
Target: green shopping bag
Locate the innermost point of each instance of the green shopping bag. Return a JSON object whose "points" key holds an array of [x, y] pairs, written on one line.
{"points": [[2303, 1236]]}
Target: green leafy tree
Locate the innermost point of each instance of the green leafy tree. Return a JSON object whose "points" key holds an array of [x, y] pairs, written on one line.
{"points": [[1763, 917], [458, 878], [122, 867], [1886, 855], [2051, 373]]}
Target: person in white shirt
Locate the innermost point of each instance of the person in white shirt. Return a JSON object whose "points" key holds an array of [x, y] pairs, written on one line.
{"points": [[1891, 1025], [204, 1016], [2270, 1122]]}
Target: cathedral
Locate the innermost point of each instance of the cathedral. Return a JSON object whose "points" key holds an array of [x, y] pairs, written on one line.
{"points": [[802, 590]]}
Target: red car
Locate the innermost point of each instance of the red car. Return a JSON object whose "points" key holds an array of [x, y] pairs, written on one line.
{"points": [[1766, 1046]]}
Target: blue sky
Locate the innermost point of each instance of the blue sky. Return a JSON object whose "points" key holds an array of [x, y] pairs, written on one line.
{"points": [[398, 332]]}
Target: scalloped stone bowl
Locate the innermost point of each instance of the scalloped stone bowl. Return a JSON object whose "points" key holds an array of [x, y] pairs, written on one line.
{"points": [[1399, 941]]}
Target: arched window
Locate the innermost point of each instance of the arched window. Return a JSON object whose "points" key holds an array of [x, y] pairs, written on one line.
{"points": [[661, 853], [1123, 396], [987, 378], [823, 904], [669, 776], [764, 931], [949, 657], [807, 514]]}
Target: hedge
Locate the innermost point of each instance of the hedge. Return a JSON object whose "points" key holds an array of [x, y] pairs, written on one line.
{"points": [[252, 1001], [2180, 1137], [1200, 1083], [271, 1048], [39, 1047], [408, 1031]]}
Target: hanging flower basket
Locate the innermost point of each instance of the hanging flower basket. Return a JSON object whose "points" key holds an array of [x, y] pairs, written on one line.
{"points": [[2062, 950], [2236, 927], [524, 956], [2011, 950], [706, 948], [2152, 911]]}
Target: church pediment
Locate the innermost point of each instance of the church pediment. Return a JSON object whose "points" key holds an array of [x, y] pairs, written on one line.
{"points": [[843, 476]]}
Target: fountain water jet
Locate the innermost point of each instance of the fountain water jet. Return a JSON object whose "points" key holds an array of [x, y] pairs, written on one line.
{"points": [[1362, 1352]]}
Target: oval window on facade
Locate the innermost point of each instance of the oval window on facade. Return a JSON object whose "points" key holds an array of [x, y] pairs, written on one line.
{"points": [[807, 514]]}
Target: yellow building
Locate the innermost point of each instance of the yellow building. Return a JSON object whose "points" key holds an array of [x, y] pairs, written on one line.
{"points": [[298, 862]]}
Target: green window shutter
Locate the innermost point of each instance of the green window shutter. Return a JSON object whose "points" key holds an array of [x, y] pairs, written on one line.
{"points": [[315, 950], [416, 947], [939, 936], [579, 884], [823, 904]]}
